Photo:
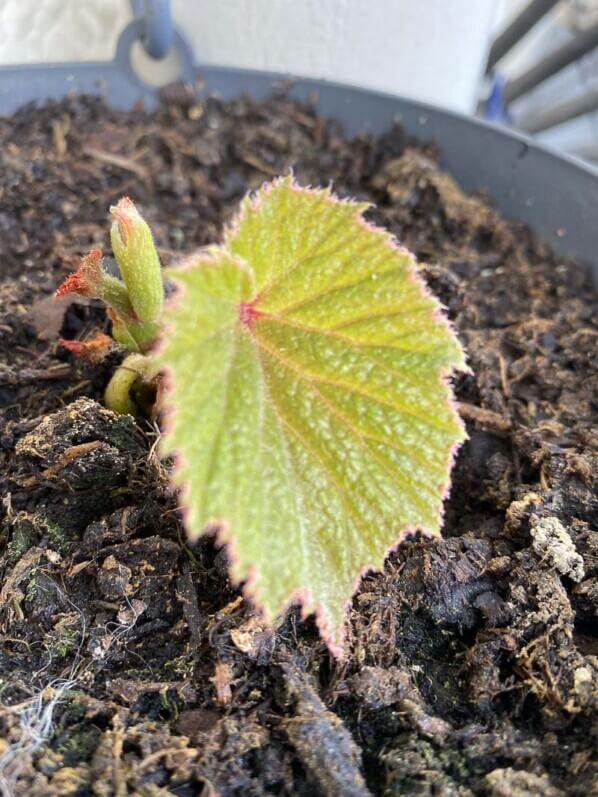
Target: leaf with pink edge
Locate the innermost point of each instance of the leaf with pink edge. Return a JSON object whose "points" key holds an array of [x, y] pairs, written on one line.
{"points": [[306, 398]]}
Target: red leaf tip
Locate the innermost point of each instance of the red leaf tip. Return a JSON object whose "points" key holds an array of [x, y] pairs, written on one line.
{"points": [[93, 349], [87, 279]]}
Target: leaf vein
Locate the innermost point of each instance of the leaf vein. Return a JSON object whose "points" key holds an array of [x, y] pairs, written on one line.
{"points": [[350, 322], [313, 253], [363, 436], [329, 332], [307, 376], [291, 308], [218, 437]]}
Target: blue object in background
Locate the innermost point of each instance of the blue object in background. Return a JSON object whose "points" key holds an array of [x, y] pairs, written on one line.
{"points": [[494, 107], [158, 34]]}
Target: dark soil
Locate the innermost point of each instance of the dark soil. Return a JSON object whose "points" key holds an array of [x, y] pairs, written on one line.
{"points": [[128, 662]]}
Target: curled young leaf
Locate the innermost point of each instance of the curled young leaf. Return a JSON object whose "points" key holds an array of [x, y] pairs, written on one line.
{"points": [[307, 401], [136, 255], [92, 281]]}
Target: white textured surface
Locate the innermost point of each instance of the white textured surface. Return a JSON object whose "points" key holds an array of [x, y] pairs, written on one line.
{"points": [[42, 31], [433, 50]]}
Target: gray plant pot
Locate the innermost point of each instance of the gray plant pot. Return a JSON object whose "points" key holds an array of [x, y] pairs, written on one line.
{"points": [[555, 194]]}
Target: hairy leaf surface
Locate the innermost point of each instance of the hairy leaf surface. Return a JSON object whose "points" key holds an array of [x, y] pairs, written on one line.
{"points": [[306, 398]]}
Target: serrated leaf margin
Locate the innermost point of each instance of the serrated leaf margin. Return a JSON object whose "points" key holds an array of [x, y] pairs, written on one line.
{"points": [[220, 527]]}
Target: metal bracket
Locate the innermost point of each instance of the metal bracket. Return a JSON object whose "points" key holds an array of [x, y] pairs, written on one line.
{"points": [[136, 31], [116, 79]]}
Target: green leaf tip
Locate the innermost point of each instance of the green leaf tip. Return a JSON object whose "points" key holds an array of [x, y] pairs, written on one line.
{"points": [[138, 261], [306, 401]]}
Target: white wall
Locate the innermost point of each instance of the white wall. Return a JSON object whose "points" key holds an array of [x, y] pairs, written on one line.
{"points": [[432, 50]]}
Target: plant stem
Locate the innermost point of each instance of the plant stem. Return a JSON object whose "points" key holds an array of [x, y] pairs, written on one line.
{"points": [[114, 292], [118, 392]]}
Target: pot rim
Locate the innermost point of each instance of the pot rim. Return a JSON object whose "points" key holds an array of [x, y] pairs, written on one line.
{"points": [[555, 193]]}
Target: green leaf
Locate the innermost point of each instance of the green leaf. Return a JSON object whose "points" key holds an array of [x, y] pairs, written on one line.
{"points": [[307, 402]]}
